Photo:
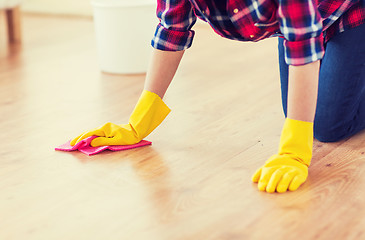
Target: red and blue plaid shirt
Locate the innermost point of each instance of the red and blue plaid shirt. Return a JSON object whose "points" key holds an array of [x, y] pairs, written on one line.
{"points": [[305, 24]]}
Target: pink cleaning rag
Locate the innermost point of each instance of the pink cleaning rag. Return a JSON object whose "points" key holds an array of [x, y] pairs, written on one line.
{"points": [[84, 146]]}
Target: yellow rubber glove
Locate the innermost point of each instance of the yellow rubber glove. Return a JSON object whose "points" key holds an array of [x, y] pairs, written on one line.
{"points": [[149, 112], [288, 169]]}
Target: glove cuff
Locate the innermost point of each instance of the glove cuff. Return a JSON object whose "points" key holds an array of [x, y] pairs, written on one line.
{"points": [[297, 140], [149, 112]]}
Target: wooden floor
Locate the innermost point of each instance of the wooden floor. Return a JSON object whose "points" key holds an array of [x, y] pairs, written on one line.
{"points": [[193, 183]]}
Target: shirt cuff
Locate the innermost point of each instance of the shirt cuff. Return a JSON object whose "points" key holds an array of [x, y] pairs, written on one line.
{"points": [[172, 40], [305, 51]]}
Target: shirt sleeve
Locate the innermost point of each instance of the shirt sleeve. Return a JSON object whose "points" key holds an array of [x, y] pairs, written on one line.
{"points": [[301, 25], [174, 33]]}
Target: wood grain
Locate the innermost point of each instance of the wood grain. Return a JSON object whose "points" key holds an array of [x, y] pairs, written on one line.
{"points": [[193, 182]]}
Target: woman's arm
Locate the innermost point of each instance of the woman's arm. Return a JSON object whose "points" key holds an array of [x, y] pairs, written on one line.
{"points": [[302, 91], [162, 68], [288, 169], [150, 110]]}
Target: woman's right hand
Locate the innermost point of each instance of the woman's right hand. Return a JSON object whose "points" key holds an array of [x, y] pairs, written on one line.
{"points": [[110, 134], [149, 112]]}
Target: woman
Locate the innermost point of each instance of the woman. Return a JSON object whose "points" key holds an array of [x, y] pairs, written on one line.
{"points": [[307, 29]]}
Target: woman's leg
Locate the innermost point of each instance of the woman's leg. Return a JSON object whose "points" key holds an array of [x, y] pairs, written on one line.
{"points": [[341, 94], [284, 76]]}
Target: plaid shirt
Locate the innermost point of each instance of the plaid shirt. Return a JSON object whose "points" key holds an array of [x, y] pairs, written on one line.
{"points": [[306, 24]]}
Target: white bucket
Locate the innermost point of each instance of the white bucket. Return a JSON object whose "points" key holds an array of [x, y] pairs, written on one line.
{"points": [[124, 30]]}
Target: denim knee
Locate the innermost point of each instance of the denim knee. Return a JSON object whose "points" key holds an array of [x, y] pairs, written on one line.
{"points": [[329, 131], [326, 136]]}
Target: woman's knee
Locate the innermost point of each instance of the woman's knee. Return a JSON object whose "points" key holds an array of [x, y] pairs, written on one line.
{"points": [[334, 131], [329, 131], [327, 136]]}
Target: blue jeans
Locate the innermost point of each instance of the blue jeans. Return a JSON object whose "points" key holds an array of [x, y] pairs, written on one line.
{"points": [[341, 91]]}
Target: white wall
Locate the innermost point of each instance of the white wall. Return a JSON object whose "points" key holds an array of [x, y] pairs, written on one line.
{"points": [[64, 7]]}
